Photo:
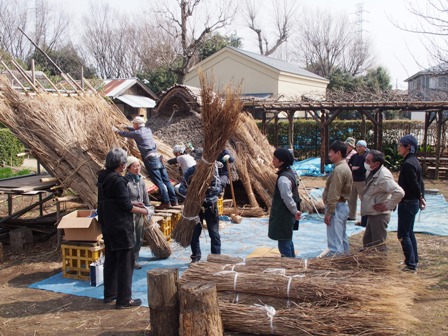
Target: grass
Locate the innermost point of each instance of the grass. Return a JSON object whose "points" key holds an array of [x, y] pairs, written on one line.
{"points": [[7, 172]]}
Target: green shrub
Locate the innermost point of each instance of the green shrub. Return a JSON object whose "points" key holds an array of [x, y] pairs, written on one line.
{"points": [[9, 148], [7, 172]]}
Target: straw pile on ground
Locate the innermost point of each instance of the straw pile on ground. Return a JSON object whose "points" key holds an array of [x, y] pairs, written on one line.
{"points": [[283, 296], [220, 119]]}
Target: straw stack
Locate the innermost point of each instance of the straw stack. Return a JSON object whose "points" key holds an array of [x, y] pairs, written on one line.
{"points": [[157, 242], [220, 119]]}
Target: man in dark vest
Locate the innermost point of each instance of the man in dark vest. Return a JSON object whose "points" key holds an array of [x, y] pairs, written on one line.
{"points": [[285, 210]]}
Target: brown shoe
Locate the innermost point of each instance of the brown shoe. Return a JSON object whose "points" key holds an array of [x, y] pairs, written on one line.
{"points": [[163, 206], [174, 203]]}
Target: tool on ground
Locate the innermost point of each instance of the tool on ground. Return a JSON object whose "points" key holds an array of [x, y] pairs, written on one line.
{"points": [[234, 217]]}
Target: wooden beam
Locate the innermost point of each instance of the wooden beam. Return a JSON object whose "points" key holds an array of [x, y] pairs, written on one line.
{"points": [[14, 77], [333, 116]]}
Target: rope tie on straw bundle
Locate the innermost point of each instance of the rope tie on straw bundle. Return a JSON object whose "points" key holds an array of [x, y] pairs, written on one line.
{"points": [[277, 271], [234, 281], [270, 312], [289, 285], [196, 218], [233, 265]]}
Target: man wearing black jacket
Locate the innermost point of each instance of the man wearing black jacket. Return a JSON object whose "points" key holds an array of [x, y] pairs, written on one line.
{"points": [[411, 180]]}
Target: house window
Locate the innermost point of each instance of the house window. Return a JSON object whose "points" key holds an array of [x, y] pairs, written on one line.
{"points": [[434, 83], [443, 82]]}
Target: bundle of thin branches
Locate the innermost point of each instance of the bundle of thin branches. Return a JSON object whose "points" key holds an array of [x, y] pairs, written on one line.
{"points": [[224, 259], [220, 119], [303, 320], [331, 291], [244, 211], [157, 242], [70, 136]]}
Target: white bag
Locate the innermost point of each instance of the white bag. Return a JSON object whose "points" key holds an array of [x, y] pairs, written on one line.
{"points": [[96, 274]]}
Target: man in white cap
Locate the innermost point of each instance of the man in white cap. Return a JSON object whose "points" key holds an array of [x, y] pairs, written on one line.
{"points": [[152, 160], [182, 158], [356, 164]]}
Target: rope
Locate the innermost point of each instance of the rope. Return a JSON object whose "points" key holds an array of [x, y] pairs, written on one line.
{"points": [[195, 218], [270, 312], [206, 162]]}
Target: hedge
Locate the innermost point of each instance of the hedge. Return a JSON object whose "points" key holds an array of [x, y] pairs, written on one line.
{"points": [[307, 134], [9, 148]]}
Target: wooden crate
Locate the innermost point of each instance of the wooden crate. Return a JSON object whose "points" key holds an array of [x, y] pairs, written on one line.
{"points": [[76, 260]]}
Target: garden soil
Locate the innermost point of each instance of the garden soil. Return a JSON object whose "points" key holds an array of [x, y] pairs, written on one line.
{"points": [[25, 311]]}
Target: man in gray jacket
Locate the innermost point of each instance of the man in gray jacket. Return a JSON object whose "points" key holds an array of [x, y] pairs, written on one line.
{"points": [[381, 196]]}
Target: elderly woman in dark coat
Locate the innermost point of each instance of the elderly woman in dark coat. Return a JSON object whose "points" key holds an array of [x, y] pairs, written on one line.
{"points": [[115, 216]]}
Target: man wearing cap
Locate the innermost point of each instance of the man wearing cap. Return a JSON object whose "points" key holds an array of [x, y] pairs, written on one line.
{"points": [[224, 157], [380, 197], [356, 164], [411, 180], [285, 210], [182, 158], [350, 143], [336, 193], [152, 160]]}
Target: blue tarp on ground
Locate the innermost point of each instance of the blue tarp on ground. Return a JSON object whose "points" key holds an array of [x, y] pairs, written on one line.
{"points": [[311, 167], [242, 239]]}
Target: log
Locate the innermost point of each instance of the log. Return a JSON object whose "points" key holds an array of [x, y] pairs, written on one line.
{"points": [[199, 310], [48, 179], [21, 239], [163, 301], [1, 253]]}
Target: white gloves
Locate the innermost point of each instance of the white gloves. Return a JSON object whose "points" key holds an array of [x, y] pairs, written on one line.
{"points": [[226, 157]]}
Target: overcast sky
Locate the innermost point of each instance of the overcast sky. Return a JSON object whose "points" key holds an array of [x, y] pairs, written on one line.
{"points": [[402, 53]]}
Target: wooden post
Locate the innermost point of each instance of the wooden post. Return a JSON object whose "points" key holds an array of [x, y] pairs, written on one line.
{"points": [[21, 239], [163, 301], [323, 141], [438, 140], [1, 253], [199, 310]]}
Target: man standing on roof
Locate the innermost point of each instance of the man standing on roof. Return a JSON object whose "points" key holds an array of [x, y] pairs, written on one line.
{"points": [[152, 160]]}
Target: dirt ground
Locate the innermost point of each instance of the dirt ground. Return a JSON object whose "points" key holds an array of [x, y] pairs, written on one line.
{"points": [[25, 311]]}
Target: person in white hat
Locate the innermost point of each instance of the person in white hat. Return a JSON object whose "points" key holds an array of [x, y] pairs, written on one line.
{"points": [[152, 160], [182, 158], [139, 196]]}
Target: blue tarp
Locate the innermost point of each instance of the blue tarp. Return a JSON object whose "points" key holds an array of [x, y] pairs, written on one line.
{"points": [[311, 167], [242, 239]]}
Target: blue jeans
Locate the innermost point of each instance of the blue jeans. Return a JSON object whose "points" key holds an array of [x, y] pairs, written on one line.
{"points": [[210, 214], [337, 239], [158, 174], [286, 248], [407, 209]]}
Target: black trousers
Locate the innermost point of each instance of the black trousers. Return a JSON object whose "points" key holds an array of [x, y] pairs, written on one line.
{"points": [[118, 270]]}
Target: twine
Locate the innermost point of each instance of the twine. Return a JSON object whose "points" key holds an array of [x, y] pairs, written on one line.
{"points": [[289, 286], [270, 312], [276, 271], [195, 218], [206, 162], [234, 281]]}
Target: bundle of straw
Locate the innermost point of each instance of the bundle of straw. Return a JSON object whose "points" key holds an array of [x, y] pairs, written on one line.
{"points": [[302, 320], [69, 135], [156, 240], [220, 119], [326, 291]]}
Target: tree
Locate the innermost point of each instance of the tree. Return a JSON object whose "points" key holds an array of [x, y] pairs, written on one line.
{"points": [[158, 80], [216, 42], [48, 27], [68, 60], [189, 23], [432, 23], [326, 42], [283, 16], [110, 39]]}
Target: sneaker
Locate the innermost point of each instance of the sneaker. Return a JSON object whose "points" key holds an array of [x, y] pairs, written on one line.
{"points": [[137, 266], [109, 300], [409, 269], [163, 206], [130, 304]]}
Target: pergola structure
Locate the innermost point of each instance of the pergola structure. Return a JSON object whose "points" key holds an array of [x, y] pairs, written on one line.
{"points": [[325, 112]]}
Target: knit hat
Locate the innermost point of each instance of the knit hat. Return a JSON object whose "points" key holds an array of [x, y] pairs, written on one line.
{"points": [[130, 160], [284, 155], [411, 141], [350, 141], [179, 149], [362, 143], [139, 120]]}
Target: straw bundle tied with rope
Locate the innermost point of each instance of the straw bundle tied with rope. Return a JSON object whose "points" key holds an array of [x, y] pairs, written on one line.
{"points": [[306, 288], [157, 242], [220, 119], [302, 320], [369, 259]]}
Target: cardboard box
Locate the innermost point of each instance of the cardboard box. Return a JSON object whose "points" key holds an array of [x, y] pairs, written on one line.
{"points": [[79, 226]]}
